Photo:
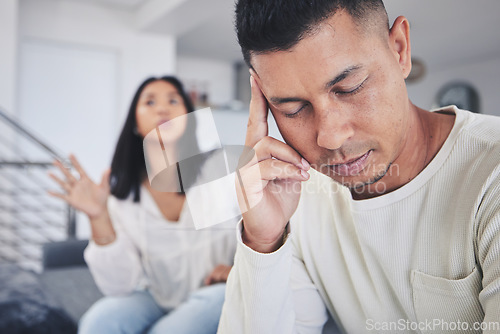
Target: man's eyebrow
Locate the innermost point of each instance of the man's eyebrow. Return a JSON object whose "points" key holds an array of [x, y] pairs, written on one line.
{"points": [[283, 100], [342, 76]]}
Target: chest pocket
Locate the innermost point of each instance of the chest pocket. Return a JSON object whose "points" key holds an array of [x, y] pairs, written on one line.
{"points": [[447, 302]]}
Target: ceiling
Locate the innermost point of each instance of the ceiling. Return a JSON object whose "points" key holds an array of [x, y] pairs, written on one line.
{"points": [[121, 4], [445, 33]]}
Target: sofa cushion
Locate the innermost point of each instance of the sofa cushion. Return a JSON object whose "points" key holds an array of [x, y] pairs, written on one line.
{"points": [[73, 287], [65, 253], [27, 316], [25, 307]]}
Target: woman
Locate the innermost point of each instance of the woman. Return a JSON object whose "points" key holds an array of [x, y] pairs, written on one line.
{"points": [[145, 238]]}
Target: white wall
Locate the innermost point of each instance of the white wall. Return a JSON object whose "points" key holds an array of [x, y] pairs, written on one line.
{"points": [[232, 126], [8, 55], [82, 109], [8, 65], [230, 118], [68, 97], [77, 23], [8, 73], [484, 75], [219, 75]]}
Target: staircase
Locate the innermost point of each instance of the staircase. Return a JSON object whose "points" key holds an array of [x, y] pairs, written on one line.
{"points": [[29, 217]]}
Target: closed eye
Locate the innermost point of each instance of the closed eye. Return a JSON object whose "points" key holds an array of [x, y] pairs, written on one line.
{"points": [[352, 91], [295, 113]]}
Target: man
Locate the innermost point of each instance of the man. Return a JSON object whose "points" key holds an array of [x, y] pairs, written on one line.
{"points": [[397, 228]]}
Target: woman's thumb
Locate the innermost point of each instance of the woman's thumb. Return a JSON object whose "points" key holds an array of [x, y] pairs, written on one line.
{"points": [[105, 177]]}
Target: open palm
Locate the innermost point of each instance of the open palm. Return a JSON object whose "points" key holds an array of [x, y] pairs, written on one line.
{"points": [[82, 193]]}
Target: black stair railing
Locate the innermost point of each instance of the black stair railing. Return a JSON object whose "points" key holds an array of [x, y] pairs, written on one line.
{"points": [[29, 217]]}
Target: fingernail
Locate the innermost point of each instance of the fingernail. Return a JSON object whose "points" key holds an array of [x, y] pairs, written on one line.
{"points": [[304, 174], [251, 81], [305, 164]]}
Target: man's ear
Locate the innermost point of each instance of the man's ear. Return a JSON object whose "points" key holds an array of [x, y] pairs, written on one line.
{"points": [[399, 42]]}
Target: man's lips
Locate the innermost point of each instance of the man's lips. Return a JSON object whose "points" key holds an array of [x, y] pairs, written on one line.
{"points": [[353, 166]]}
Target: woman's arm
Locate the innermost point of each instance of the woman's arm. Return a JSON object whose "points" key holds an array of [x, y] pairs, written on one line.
{"points": [[116, 266], [112, 257], [86, 196]]}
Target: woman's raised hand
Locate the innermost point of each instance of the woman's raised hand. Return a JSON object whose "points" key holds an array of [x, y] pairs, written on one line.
{"points": [[82, 193]]}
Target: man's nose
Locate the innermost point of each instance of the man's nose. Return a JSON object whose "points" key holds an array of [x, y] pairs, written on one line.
{"points": [[334, 127]]}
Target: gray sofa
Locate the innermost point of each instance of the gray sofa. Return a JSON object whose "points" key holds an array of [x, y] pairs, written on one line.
{"points": [[52, 301], [67, 278]]}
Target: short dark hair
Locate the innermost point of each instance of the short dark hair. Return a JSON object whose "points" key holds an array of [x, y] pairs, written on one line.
{"points": [[264, 26], [128, 167]]}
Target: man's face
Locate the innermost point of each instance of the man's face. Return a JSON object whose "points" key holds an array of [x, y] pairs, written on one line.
{"points": [[340, 100]]}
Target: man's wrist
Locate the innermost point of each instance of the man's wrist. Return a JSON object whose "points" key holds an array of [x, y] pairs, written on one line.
{"points": [[264, 247]]}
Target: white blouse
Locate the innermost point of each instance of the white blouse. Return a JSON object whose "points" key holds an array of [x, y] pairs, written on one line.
{"points": [[171, 258]]}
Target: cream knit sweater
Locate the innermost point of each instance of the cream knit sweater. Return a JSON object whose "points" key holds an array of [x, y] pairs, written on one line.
{"points": [[422, 259]]}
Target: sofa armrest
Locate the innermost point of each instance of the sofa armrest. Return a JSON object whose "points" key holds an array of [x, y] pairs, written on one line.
{"points": [[64, 253]]}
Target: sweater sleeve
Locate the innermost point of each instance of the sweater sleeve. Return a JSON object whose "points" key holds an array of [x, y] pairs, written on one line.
{"points": [[270, 293], [489, 257], [116, 268]]}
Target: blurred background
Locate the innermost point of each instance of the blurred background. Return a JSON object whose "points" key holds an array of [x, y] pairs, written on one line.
{"points": [[68, 69]]}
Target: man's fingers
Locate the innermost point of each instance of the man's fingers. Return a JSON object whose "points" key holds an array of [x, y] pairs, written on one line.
{"points": [[257, 120], [255, 178], [273, 169], [77, 166], [270, 147]]}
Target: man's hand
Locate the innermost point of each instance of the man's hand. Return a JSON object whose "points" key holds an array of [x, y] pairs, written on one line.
{"points": [[269, 185], [218, 275]]}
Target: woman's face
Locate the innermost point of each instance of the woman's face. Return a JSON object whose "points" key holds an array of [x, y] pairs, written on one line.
{"points": [[160, 102]]}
